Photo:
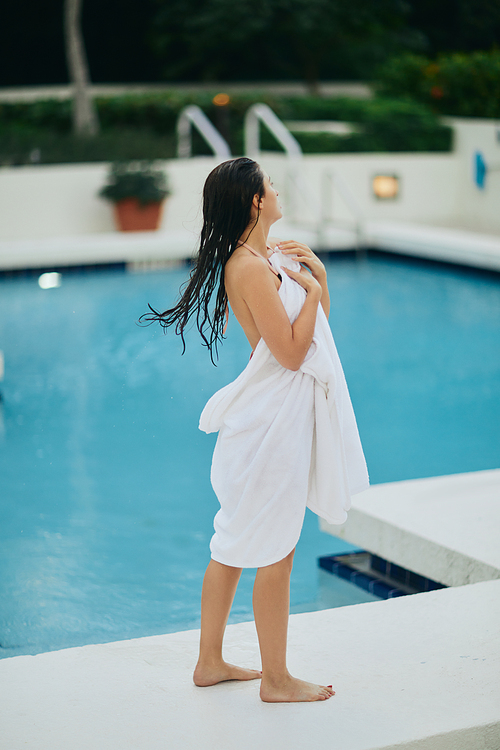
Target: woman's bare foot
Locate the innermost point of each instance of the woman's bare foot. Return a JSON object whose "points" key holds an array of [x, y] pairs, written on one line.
{"points": [[205, 675], [291, 690]]}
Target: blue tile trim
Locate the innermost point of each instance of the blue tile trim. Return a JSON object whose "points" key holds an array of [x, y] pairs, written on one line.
{"points": [[340, 566]]}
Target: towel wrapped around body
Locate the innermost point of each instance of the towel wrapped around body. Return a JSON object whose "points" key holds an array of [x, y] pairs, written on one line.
{"points": [[286, 439]]}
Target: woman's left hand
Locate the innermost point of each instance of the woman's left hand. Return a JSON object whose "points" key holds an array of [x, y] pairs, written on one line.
{"points": [[305, 255]]}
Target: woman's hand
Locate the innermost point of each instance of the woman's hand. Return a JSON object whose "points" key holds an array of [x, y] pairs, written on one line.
{"points": [[305, 255], [305, 279]]}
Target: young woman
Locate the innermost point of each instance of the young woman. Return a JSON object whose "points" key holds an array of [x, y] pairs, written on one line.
{"points": [[287, 432]]}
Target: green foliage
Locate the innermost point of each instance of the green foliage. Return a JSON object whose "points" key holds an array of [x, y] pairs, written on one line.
{"points": [[456, 25], [464, 85], [52, 114], [143, 127], [382, 125], [305, 39], [157, 112], [136, 180], [392, 125], [26, 144]]}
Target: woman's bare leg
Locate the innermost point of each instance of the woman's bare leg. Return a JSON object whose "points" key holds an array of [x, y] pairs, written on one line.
{"points": [[271, 604], [219, 588]]}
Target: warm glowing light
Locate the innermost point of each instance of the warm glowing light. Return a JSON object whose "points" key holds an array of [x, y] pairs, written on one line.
{"points": [[49, 280], [385, 186], [437, 92], [221, 100]]}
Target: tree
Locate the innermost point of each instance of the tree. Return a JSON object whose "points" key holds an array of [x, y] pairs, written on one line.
{"points": [[457, 25], [319, 31], [262, 39], [85, 120]]}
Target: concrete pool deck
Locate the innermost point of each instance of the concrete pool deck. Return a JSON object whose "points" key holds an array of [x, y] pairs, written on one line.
{"points": [[417, 673], [414, 673], [446, 528], [147, 248]]}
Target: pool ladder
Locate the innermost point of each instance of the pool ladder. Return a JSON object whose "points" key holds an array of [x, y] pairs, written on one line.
{"points": [[298, 193]]}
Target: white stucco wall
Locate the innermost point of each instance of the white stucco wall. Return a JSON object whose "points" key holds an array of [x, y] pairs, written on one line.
{"points": [[428, 185], [478, 210], [62, 200], [437, 189]]}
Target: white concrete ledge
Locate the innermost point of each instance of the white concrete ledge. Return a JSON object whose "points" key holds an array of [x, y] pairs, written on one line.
{"points": [[134, 247], [445, 528], [327, 88], [435, 243], [108, 247], [415, 673]]}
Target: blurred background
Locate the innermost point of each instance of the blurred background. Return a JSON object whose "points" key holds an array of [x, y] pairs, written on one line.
{"points": [[437, 58], [207, 41]]}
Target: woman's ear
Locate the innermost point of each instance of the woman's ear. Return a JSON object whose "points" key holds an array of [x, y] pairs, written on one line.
{"points": [[257, 201]]}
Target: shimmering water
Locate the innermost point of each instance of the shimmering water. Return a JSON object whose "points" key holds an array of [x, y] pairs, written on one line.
{"points": [[105, 503]]}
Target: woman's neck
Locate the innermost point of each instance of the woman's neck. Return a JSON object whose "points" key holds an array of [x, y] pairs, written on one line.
{"points": [[256, 237]]}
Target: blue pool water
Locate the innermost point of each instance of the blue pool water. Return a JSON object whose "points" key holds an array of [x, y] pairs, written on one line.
{"points": [[105, 504]]}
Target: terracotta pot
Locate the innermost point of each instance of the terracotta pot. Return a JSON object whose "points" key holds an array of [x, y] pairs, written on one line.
{"points": [[131, 216]]}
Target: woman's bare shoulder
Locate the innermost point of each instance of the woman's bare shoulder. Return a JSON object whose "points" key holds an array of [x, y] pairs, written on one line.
{"points": [[273, 241], [244, 267]]}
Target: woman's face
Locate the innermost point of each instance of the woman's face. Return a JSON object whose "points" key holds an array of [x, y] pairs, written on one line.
{"points": [[269, 205]]}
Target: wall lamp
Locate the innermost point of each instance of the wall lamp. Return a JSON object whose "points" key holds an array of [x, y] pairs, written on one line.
{"points": [[385, 186]]}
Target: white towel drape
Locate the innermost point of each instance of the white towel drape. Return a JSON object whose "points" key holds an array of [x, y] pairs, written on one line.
{"points": [[286, 440]]}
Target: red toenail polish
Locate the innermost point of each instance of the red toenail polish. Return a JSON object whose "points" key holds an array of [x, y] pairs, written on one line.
{"points": [[330, 686]]}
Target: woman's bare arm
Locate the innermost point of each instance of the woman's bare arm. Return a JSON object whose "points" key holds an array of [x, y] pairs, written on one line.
{"points": [[288, 343]]}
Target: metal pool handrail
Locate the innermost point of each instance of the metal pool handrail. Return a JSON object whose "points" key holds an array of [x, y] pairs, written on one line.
{"points": [[296, 184], [194, 116], [262, 113]]}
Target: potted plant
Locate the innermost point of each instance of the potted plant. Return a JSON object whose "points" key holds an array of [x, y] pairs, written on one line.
{"points": [[138, 191]]}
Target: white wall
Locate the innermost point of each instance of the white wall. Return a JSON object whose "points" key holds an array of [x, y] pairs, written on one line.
{"points": [[428, 185], [437, 189], [478, 210], [49, 201], [56, 201]]}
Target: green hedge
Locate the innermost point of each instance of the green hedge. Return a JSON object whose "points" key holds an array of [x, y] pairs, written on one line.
{"points": [[464, 85], [27, 145], [143, 127], [385, 125]]}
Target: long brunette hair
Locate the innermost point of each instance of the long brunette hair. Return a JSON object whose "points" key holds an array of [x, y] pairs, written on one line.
{"points": [[227, 201]]}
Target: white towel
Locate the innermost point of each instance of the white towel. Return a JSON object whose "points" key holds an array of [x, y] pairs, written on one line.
{"points": [[286, 440]]}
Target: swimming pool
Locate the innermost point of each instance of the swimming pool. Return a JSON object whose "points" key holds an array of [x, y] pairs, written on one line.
{"points": [[105, 502]]}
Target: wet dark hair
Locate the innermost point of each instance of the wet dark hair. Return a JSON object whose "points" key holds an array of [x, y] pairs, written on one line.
{"points": [[227, 200]]}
